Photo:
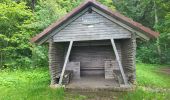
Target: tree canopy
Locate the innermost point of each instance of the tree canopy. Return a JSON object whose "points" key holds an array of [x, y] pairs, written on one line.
{"points": [[22, 19], [153, 14]]}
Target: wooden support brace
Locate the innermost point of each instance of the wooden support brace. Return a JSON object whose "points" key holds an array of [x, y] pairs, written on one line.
{"points": [[119, 63], [65, 62]]}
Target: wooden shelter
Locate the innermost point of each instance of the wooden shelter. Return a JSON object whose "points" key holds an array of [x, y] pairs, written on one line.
{"points": [[93, 47]]}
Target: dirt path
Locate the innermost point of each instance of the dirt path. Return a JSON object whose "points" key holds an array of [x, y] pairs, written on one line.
{"points": [[165, 70]]}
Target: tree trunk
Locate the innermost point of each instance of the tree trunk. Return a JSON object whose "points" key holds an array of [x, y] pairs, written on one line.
{"points": [[1, 63], [156, 23], [33, 5]]}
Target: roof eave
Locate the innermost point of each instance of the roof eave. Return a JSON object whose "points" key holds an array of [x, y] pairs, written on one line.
{"points": [[59, 22], [148, 32]]}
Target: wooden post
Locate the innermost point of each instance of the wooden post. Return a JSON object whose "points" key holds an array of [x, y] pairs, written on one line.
{"points": [[119, 63], [65, 62], [52, 62]]}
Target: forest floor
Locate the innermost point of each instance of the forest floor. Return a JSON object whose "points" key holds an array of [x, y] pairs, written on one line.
{"points": [[153, 83]]}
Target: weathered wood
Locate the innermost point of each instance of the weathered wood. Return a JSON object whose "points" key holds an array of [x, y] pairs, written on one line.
{"points": [[63, 26], [121, 24], [75, 67], [65, 62], [92, 57], [68, 75], [55, 62], [110, 65], [92, 52], [134, 45], [119, 62], [128, 58], [52, 68], [89, 37], [91, 26], [92, 43]]}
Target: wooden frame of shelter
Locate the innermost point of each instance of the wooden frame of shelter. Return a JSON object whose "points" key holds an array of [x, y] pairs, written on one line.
{"points": [[93, 27]]}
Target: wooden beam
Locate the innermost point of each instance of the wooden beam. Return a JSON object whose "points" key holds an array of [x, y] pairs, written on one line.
{"points": [[65, 62], [119, 62]]}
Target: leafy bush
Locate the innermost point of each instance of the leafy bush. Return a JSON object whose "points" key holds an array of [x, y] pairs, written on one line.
{"points": [[154, 14], [14, 40], [147, 52]]}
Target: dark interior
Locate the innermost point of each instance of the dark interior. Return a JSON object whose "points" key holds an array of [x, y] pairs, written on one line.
{"points": [[92, 57]]}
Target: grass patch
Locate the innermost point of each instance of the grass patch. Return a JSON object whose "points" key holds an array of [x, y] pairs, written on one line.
{"points": [[33, 84], [152, 84], [141, 94], [148, 75], [27, 84]]}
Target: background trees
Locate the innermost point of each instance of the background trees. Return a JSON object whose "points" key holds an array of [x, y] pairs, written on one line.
{"points": [[14, 44], [22, 19], [153, 14]]}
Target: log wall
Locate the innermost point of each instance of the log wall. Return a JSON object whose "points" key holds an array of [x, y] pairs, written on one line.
{"points": [[56, 59], [126, 49], [128, 58]]}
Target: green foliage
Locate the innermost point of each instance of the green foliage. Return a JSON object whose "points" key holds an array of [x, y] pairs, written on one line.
{"points": [[68, 5], [140, 11], [32, 84], [46, 12], [108, 3], [39, 56], [151, 76], [13, 38], [19, 22], [147, 52], [150, 80], [141, 94], [27, 84], [145, 12]]}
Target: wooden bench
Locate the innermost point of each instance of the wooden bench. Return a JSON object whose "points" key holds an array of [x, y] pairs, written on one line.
{"points": [[75, 67], [112, 71]]}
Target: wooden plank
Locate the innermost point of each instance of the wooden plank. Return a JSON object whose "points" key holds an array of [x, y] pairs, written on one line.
{"points": [[91, 26], [120, 23], [65, 62], [89, 37], [92, 43], [109, 69], [92, 57], [119, 63], [62, 26], [75, 67]]}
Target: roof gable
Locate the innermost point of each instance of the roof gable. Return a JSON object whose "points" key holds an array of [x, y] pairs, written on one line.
{"points": [[91, 26], [46, 34]]}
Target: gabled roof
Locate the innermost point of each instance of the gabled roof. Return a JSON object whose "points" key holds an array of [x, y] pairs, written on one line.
{"points": [[115, 14]]}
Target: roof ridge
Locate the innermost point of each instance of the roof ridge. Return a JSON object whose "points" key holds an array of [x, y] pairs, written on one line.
{"points": [[105, 9]]}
